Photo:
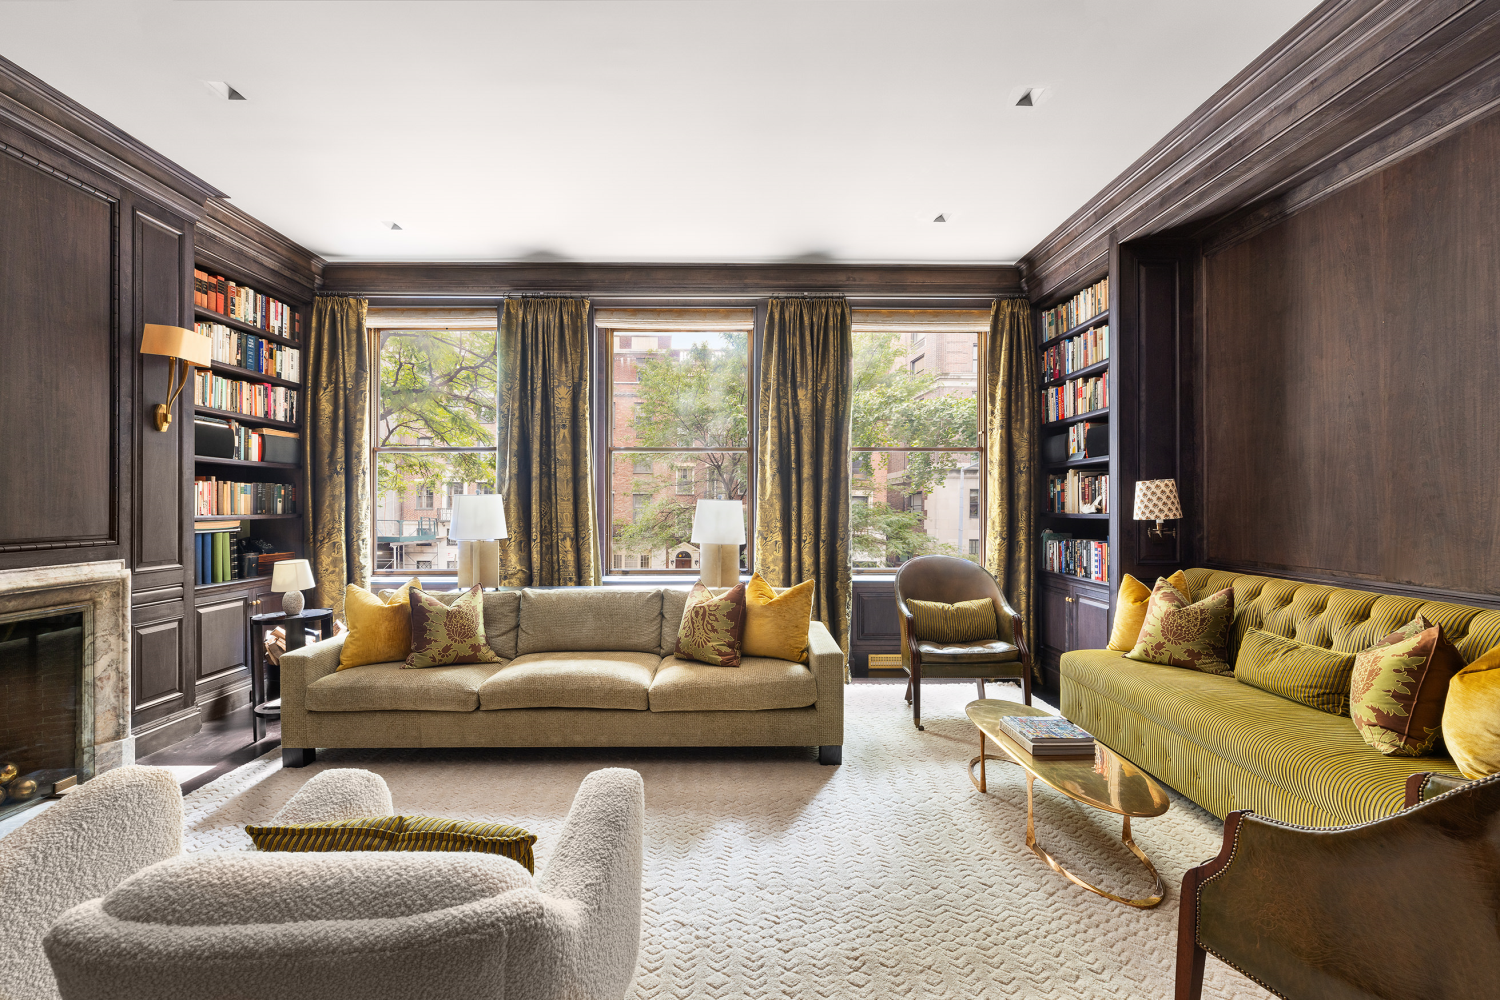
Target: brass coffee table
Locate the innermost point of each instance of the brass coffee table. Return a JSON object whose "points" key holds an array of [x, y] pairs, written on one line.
{"points": [[1106, 781]]}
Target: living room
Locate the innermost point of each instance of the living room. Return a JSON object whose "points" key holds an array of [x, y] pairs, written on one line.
{"points": [[640, 500]]}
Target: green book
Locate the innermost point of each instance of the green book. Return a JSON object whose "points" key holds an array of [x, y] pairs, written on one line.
{"points": [[221, 556]]}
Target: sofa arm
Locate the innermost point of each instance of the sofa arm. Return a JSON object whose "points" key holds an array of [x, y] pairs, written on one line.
{"points": [[1426, 785], [592, 883], [299, 668], [827, 662], [111, 827]]}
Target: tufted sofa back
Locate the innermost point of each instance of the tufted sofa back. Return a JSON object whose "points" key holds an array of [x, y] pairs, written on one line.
{"points": [[1346, 621]]}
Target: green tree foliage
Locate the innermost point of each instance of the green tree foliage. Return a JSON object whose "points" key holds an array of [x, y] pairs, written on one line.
{"points": [[438, 385]]}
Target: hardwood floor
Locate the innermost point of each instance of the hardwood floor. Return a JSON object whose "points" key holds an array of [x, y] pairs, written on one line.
{"points": [[218, 748]]}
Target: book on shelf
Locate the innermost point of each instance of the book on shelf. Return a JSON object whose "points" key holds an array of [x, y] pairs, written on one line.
{"points": [[1089, 439], [1048, 736], [1081, 308], [253, 399], [228, 298], [213, 548], [214, 437], [256, 354], [1076, 492], [1079, 395], [213, 497], [1085, 558], [1088, 348]]}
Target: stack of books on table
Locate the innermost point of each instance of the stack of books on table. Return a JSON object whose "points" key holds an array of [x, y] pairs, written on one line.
{"points": [[1046, 736]]}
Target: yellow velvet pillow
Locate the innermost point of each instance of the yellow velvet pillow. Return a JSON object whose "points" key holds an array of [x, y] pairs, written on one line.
{"points": [[1130, 609], [379, 631], [1471, 716], [776, 625]]}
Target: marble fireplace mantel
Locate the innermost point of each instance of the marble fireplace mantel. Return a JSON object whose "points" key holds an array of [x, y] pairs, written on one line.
{"points": [[102, 591]]}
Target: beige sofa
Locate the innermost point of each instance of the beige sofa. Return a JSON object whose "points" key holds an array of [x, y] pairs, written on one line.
{"points": [[580, 667]]}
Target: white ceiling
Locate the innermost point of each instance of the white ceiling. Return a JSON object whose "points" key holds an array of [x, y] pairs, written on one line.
{"points": [[622, 131]]}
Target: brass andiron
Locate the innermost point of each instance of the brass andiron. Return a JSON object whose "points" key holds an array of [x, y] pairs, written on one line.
{"points": [[8, 772]]}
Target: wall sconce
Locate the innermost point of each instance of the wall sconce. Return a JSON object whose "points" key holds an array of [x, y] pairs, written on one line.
{"points": [[186, 348], [1156, 500]]}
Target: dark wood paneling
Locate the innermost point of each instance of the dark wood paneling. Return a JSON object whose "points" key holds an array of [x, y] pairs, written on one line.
{"points": [[415, 280], [1347, 370], [159, 465], [229, 239], [1090, 621], [158, 654], [222, 640], [873, 627], [1351, 88], [57, 374]]}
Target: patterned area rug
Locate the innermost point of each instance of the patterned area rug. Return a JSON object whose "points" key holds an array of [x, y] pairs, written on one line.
{"points": [[769, 876]]}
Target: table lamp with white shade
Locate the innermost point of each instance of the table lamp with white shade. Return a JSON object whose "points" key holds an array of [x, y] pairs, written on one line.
{"points": [[719, 531], [290, 578], [478, 524]]}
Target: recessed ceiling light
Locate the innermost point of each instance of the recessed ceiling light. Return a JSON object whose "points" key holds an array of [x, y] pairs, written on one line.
{"points": [[1030, 95], [942, 217], [390, 225], [1025, 101], [224, 90]]}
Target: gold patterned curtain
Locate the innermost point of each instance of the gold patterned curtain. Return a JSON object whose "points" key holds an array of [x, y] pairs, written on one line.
{"points": [[338, 365], [1009, 365], [802, 492], [546, 462]]}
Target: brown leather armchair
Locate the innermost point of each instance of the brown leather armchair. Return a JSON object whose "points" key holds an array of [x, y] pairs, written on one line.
{"points": [[1401, 908], [948, 580]]}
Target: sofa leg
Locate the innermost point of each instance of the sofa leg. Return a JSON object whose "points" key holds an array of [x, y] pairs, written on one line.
{"points": [[831, 754], [297, 756], [979, 683]]}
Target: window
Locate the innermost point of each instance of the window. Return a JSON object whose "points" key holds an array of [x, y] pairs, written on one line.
{"points": [[916, 469], [679, 429], [433, 435]]}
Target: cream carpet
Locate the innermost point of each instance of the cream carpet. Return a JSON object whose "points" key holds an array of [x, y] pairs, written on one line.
{"points": [[769, 876]]}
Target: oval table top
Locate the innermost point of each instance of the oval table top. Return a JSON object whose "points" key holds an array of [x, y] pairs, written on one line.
{"points": [[1107, 781]]}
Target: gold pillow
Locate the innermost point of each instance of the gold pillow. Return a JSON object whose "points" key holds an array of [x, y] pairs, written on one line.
{"points": [[398, 833], [379, 631], [776, 625], [1130, 609], [965, 621], [1471, 716]]}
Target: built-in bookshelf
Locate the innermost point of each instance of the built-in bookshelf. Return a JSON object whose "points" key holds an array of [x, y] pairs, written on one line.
{"points": [[248, 452]]}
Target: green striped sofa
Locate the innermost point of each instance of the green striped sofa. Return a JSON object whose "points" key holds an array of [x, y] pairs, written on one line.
{"points": [[1229, 746]]}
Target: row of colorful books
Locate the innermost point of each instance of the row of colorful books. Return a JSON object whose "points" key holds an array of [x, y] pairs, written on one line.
{"points": [[215, 498], [1079, 395], [246, 350], [213, 551], [1076, 492], [218, 293], [253, 399], [1089, 439], [1079, 309], [1088, 348], [1085, 558]]}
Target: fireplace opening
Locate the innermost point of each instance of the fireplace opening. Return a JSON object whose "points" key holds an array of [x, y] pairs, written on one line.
{"points": [[41, 662]]}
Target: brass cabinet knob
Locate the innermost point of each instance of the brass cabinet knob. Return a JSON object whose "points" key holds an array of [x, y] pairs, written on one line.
{"points": [[1068, 599]]}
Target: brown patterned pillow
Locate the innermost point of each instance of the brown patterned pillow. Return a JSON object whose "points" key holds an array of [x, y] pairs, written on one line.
{"points": [[443, 634], [712, 626], [1179, 633], [1399, 686]]}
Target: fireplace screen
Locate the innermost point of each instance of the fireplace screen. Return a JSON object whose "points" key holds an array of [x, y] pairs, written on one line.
{"points": [[41, 661]]}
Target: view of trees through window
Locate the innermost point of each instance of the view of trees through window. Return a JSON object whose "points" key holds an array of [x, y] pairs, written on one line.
{"points": [[434, 438], [916, 468], [684, 396]]}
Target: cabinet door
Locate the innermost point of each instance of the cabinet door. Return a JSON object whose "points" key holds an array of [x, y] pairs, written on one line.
{"points": [[1056, 620], [1090, 622], [222, 641]]}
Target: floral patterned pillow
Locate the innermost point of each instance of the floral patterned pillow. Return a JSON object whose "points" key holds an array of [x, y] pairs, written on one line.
{"points": [[712, 627], [1179, 633], [1399, 687], [441, 635]]}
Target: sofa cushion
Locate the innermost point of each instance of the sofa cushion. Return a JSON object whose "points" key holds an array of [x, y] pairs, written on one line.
{"points": [[981, 651], [711, 626], [379, 627], [582, 619], [1130, 609], [1471, 717], [758, 684], [1181, 634], [383, 687], [777, 621], [1308, 675], [571, 680], [501, 610], [673, 606], [1305, 753], [446, 634]]}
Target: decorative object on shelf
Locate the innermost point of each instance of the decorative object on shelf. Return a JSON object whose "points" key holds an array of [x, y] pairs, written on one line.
{"points": [[478, 524], [187, 349], [1156, 500], [719, 531], [290, 578]]}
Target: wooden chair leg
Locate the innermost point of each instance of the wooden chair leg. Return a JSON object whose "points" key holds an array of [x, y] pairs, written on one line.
{"points": [[1190, 957], [908, 689], [1026, 684], [979, 683], [916, 696]]}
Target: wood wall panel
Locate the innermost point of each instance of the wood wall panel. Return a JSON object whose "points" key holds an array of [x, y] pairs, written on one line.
{"points": [[57, 371], [159, 468], [157, 649], [1349, 367]]}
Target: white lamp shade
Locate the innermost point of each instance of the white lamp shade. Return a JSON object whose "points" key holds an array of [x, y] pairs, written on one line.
{"points": [[719, 522], [1156, 500], [291, 574], [477, 517]]}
